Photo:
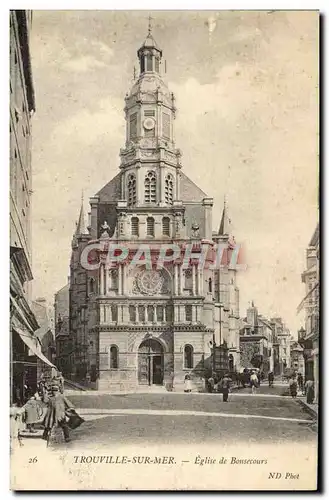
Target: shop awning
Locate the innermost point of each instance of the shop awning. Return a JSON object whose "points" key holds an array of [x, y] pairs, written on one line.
{"points": [[33, 344]]}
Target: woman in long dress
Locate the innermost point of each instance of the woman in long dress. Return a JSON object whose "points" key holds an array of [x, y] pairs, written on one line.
{"points": [[293, 387], [187, 383]]}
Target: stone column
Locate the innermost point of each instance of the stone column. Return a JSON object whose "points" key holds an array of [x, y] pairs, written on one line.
{"points": [[177, 197], [176, 314], [155, 314], [105, 280], [164, 314], [137, 314], [101, 279], [193, 279], [123, 272], [181, 280], [161, 185], [181, 317], [201, 278], [120, 279], [109, 280], [176, 279]]}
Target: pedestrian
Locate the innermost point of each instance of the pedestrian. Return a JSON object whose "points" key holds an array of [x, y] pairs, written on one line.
{"points": [[293, 386], [61, 382], [253, 382], [187, 383], [16, 424], [225, 386], [270, 379], [57, 404], [300, 381], [33, 413], [211, 384], [309, 389]]}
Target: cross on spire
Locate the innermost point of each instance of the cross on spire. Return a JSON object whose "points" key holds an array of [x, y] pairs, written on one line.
{"points": [[150, 25]]}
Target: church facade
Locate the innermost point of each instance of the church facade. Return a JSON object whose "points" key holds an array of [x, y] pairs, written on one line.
{"points": [[143, 325]]}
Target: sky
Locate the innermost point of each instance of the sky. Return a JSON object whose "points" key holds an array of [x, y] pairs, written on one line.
{"points": [[246, 88]]}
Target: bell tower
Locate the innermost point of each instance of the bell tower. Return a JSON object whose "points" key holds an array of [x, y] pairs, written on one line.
{"points": [[150, 163]]}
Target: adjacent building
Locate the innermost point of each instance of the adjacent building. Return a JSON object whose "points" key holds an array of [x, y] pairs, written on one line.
{"points": [[23, 323], [309, 337], [144, 325], [45, 336], [297, 358], [282, 336], [62, 331], [256, 341]]}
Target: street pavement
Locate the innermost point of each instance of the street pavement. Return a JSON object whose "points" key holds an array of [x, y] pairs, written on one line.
{"points": [[176, 418], [172, 418]]}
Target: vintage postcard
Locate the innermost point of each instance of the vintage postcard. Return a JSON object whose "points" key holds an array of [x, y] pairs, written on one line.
{"points": [[164, 250]]}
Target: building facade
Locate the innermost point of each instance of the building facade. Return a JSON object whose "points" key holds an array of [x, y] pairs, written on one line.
{"points": [[45, 336], [297, 358], [256, 341], [62, 331], [148, 324], [23, 323], [309, 337], [281, 346]]}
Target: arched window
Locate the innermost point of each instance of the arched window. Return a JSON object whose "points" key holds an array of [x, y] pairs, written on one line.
{"points": [[114, 313], [157, 65], [150, 226], [188, 357], [159, 311], [188, 313], [132, 314], [150, 187], [169, 189], [141, 314], [134, 226], [188, 282], [150, 313], [169, 313], [166, 226], [113, 279], [131, 190], [149, 65], [114, 357]]}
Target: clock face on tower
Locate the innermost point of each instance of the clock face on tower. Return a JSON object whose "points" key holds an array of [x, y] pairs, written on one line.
{"points": [[149, 123], [150, 282]]}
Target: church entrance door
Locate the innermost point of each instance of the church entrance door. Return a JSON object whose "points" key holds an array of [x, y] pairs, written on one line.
{"points": [[150, 363]]}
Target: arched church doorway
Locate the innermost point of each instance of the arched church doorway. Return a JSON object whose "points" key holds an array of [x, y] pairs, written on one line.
{"points": [[150, 363]]}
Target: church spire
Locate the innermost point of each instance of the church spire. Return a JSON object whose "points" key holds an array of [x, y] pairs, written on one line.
{"points": [[224, 228], [149, 54], [81, 225]]}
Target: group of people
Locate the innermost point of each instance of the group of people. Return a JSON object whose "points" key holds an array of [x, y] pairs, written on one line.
{"points": [[296, 383], [49, 402], [220, 385]]}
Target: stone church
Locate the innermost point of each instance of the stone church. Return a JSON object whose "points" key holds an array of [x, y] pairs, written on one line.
{"points": [[140, 326]]}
